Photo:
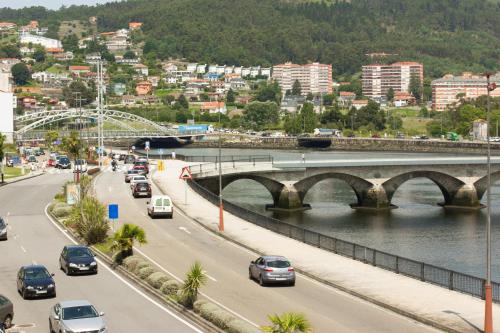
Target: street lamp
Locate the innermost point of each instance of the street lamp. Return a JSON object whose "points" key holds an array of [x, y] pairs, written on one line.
{"points": [[221, 205], [488, 308]]}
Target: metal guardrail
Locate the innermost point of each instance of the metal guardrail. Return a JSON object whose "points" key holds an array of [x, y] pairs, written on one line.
{"points": [[211, 163], [439, 276]]}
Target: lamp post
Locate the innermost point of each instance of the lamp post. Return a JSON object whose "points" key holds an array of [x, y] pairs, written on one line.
{"points": [[488, 308], [221, 205]]}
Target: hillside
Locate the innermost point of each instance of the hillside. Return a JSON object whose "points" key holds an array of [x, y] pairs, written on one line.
{"points": [[446, 35]]}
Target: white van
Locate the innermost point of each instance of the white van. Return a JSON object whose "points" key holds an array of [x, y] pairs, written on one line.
{"points": [[160, 205]]}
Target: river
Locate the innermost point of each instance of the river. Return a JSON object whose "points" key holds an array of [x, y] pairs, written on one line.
{"points": [[418, 229]]}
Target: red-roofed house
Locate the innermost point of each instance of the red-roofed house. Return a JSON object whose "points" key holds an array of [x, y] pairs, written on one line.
{"points": [[359, 103], [134, 25], [143, 88], [54, 50], [79, 70], [213, 107], [346, 98], [4, 26], [403, 98]]}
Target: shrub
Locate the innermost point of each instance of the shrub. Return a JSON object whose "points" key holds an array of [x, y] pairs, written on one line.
{"points": [[62, 211], [206, 310], [145, 272], [221, 318], [156, 280], [240, 326], [169, 287], [89, 219], [131, 262], [140, 266], [93, 171], [60, 197]]}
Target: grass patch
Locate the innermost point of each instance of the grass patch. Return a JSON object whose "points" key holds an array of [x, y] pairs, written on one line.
{"points": [[105, 247], [12, 172], [415, 125]]}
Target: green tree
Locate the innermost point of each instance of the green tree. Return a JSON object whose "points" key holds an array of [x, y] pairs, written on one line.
{"points": [[259, 114], [296, 88], [423, 112], [309, 97], [292, 124], [230, 98], [308, 118], [86, 92], [129, 55], [195, 279], [288, 322], [415, 87], [39, 54], [20, 73], [332, 116], [328, 99], [50, 137], [124, 239], [72, 144], [70, 43], [2, 141], [395, 122], [89, 219], [390, 94], [10, 51], [183, 102], [268, 93]]}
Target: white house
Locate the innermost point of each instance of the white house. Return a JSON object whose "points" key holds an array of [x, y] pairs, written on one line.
{"points": [[141, 69], [40, 40], [265, 71], [212, 68], [201, 68], [229, 70], [237, 70], [7, 115], [191, 67], [255, 71], [245, 71], [220, 69]]}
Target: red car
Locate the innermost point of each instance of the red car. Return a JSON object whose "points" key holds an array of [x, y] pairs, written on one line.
{"points": [[51, 162], [142, 169]]}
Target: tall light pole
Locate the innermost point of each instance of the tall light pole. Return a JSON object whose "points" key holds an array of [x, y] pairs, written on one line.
{"points": [[488, 297], [78, 103], [221, 205]]}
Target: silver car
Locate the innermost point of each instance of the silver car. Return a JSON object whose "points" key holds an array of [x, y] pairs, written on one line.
{"points": [[76, 317], [272, 269]]}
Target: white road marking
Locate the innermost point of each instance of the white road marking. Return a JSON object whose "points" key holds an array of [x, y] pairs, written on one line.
{"points": [[33, 262], [24, 250], [125, 281], [185, 230], [210, 277], [201, 293], [110, 189], [8, 213]]}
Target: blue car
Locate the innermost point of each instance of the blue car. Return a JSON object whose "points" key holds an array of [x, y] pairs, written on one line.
{"points": [[35, 281]]}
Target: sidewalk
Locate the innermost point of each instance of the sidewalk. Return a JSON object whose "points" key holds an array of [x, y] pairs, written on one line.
{"points": [[28, 175], [425, 302]]}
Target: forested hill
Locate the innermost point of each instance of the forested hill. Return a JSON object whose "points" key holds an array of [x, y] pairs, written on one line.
{"points": [[447, 35]]}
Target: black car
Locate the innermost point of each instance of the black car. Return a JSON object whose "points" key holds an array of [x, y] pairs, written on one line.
{"points": [[77, 259], [142, 189], [63, 163], [122, 157], [129, 159], [6, 312], [35, 281], [3, 229]]}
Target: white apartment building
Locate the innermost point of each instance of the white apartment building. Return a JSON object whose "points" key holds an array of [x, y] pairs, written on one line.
{"points": [[314, 78], [191, 67], [7, 102], [47, 43]]}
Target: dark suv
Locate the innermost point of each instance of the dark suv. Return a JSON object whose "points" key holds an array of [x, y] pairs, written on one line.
{"points": [[76, 259], [63, 163], [142, 190], [6, 311], [3, 230], [35, 281]]}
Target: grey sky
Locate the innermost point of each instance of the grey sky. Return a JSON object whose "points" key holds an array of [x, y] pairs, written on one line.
{"points": [[52, 4]]}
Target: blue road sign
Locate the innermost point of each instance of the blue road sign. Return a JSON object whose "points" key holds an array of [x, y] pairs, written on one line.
{"points": [[112, 211], [160, 151]]}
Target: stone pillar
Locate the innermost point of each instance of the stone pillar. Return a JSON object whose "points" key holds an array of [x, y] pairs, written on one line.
{"points": [[464, 197], [289, 200], [372, 198]]}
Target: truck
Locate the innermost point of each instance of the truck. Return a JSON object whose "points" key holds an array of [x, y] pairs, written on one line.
{"points": [[195, 129], [327, 132], [452, 136]]}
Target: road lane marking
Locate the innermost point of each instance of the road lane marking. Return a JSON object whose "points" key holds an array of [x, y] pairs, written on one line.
{"points": [[160, 306], [201, 293], [210, 277], [24, 250], [185, 230]]}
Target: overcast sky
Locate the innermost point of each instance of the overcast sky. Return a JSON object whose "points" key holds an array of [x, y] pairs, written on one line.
{"points": [[52, 4]]}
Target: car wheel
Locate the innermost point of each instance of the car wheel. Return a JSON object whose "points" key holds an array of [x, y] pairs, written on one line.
{"points": [[261, 281], [24, 294], [250, 274], [7, 322], [51, 329], [292, 283]]}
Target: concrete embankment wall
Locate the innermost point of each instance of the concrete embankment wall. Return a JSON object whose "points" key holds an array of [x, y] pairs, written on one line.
{"points": [[427, 146]]}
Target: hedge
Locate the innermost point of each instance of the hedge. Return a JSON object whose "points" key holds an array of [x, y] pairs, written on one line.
{"points": [[156, 280], [131, 262], [170, 287], [140, 265], [62, 211], [240, 326], [145, 272]]}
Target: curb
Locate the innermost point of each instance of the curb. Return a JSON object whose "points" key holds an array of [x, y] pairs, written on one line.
{"points": [[205, 325], [5, 183], [372, 300]]}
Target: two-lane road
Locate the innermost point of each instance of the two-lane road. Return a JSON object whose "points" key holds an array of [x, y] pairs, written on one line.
{"points": [[34, 239], [175, 244]]}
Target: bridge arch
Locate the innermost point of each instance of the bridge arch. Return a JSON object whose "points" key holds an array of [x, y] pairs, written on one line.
{"points": [[482, 183], [449, 185], [361, 187]]}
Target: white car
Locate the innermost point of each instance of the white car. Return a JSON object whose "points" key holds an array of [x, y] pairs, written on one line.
{"points": [[137, 179], [160, 205], [76, 316], [81, 166]]}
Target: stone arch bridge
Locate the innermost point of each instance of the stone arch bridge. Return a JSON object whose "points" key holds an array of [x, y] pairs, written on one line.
{"points": [[462, 180]]}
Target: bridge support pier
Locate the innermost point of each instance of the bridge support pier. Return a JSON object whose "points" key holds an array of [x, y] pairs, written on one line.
{"points": [[372, 198], [465, 197], [289, 200]]}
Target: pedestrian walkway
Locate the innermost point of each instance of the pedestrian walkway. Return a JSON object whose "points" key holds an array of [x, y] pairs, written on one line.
{"points": [[423, 301]]}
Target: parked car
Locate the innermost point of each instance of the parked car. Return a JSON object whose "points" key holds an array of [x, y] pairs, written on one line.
{"points": [[160, 205], [122, 157], [495, 139], [136, 179], [3, 230], [129, 174], [376, 136], [81, 166], [32, 159], [2, 327], [77, 259], [272, 269], [142, 189], [6, 311], [400, 135], [76, 316], [63, 162], [142, 170], [129, 159], [35, 281], [51, 162]]}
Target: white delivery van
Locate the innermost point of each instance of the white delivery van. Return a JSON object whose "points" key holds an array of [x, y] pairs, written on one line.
{"points": [[160, 205]]}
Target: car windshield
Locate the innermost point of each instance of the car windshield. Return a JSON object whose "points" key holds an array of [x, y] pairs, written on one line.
{"points": [[278, 264], [79, 312], [79, 162], [133, 171], [2, 223], [79, 252], [64, 160], [139, 178], [36, 273]]}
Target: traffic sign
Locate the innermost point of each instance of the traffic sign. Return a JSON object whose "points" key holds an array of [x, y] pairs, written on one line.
{"points": [[160, 151], [161, 166], [185, 174], [146, 145], [133, 147], [112, 211]]}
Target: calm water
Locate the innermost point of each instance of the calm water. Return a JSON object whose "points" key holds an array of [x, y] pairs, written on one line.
{"points": [[418, 229]]}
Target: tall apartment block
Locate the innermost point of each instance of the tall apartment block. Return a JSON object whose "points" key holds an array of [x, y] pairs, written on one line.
{"points": [[446, 89], [314, 78], [377, 79]]}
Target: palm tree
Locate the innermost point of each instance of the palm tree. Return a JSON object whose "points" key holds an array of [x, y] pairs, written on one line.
{"points": [[288, 322], [124, 238], [195, 278]]}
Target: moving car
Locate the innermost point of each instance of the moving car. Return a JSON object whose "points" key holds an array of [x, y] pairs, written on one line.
{"points": [[142, 189], [129, 159], [129, 174], [142, 170], [272, 269], [144, 163], [35, 281], [76, 317], [160, 205], [81, 166], [32, 159], [63, 162], [3, 230], [136, 179], [77, 259], [6, 311]]}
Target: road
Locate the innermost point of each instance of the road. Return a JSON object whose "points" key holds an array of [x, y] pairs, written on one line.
{"points": [[34, 239], [176, 244]]}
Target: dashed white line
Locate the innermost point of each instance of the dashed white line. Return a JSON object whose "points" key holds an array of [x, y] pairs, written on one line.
{"points": [[24, 250], [210, 277], [185, 230]]}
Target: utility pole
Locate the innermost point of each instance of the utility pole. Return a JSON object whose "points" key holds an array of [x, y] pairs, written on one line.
{"points": [[78, 103], [221, 205], [488, 297]]}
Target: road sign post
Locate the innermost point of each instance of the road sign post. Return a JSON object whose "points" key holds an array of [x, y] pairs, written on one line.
{"points": [[185, 175], [113, 214], [160, 151], [146, 148]]}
